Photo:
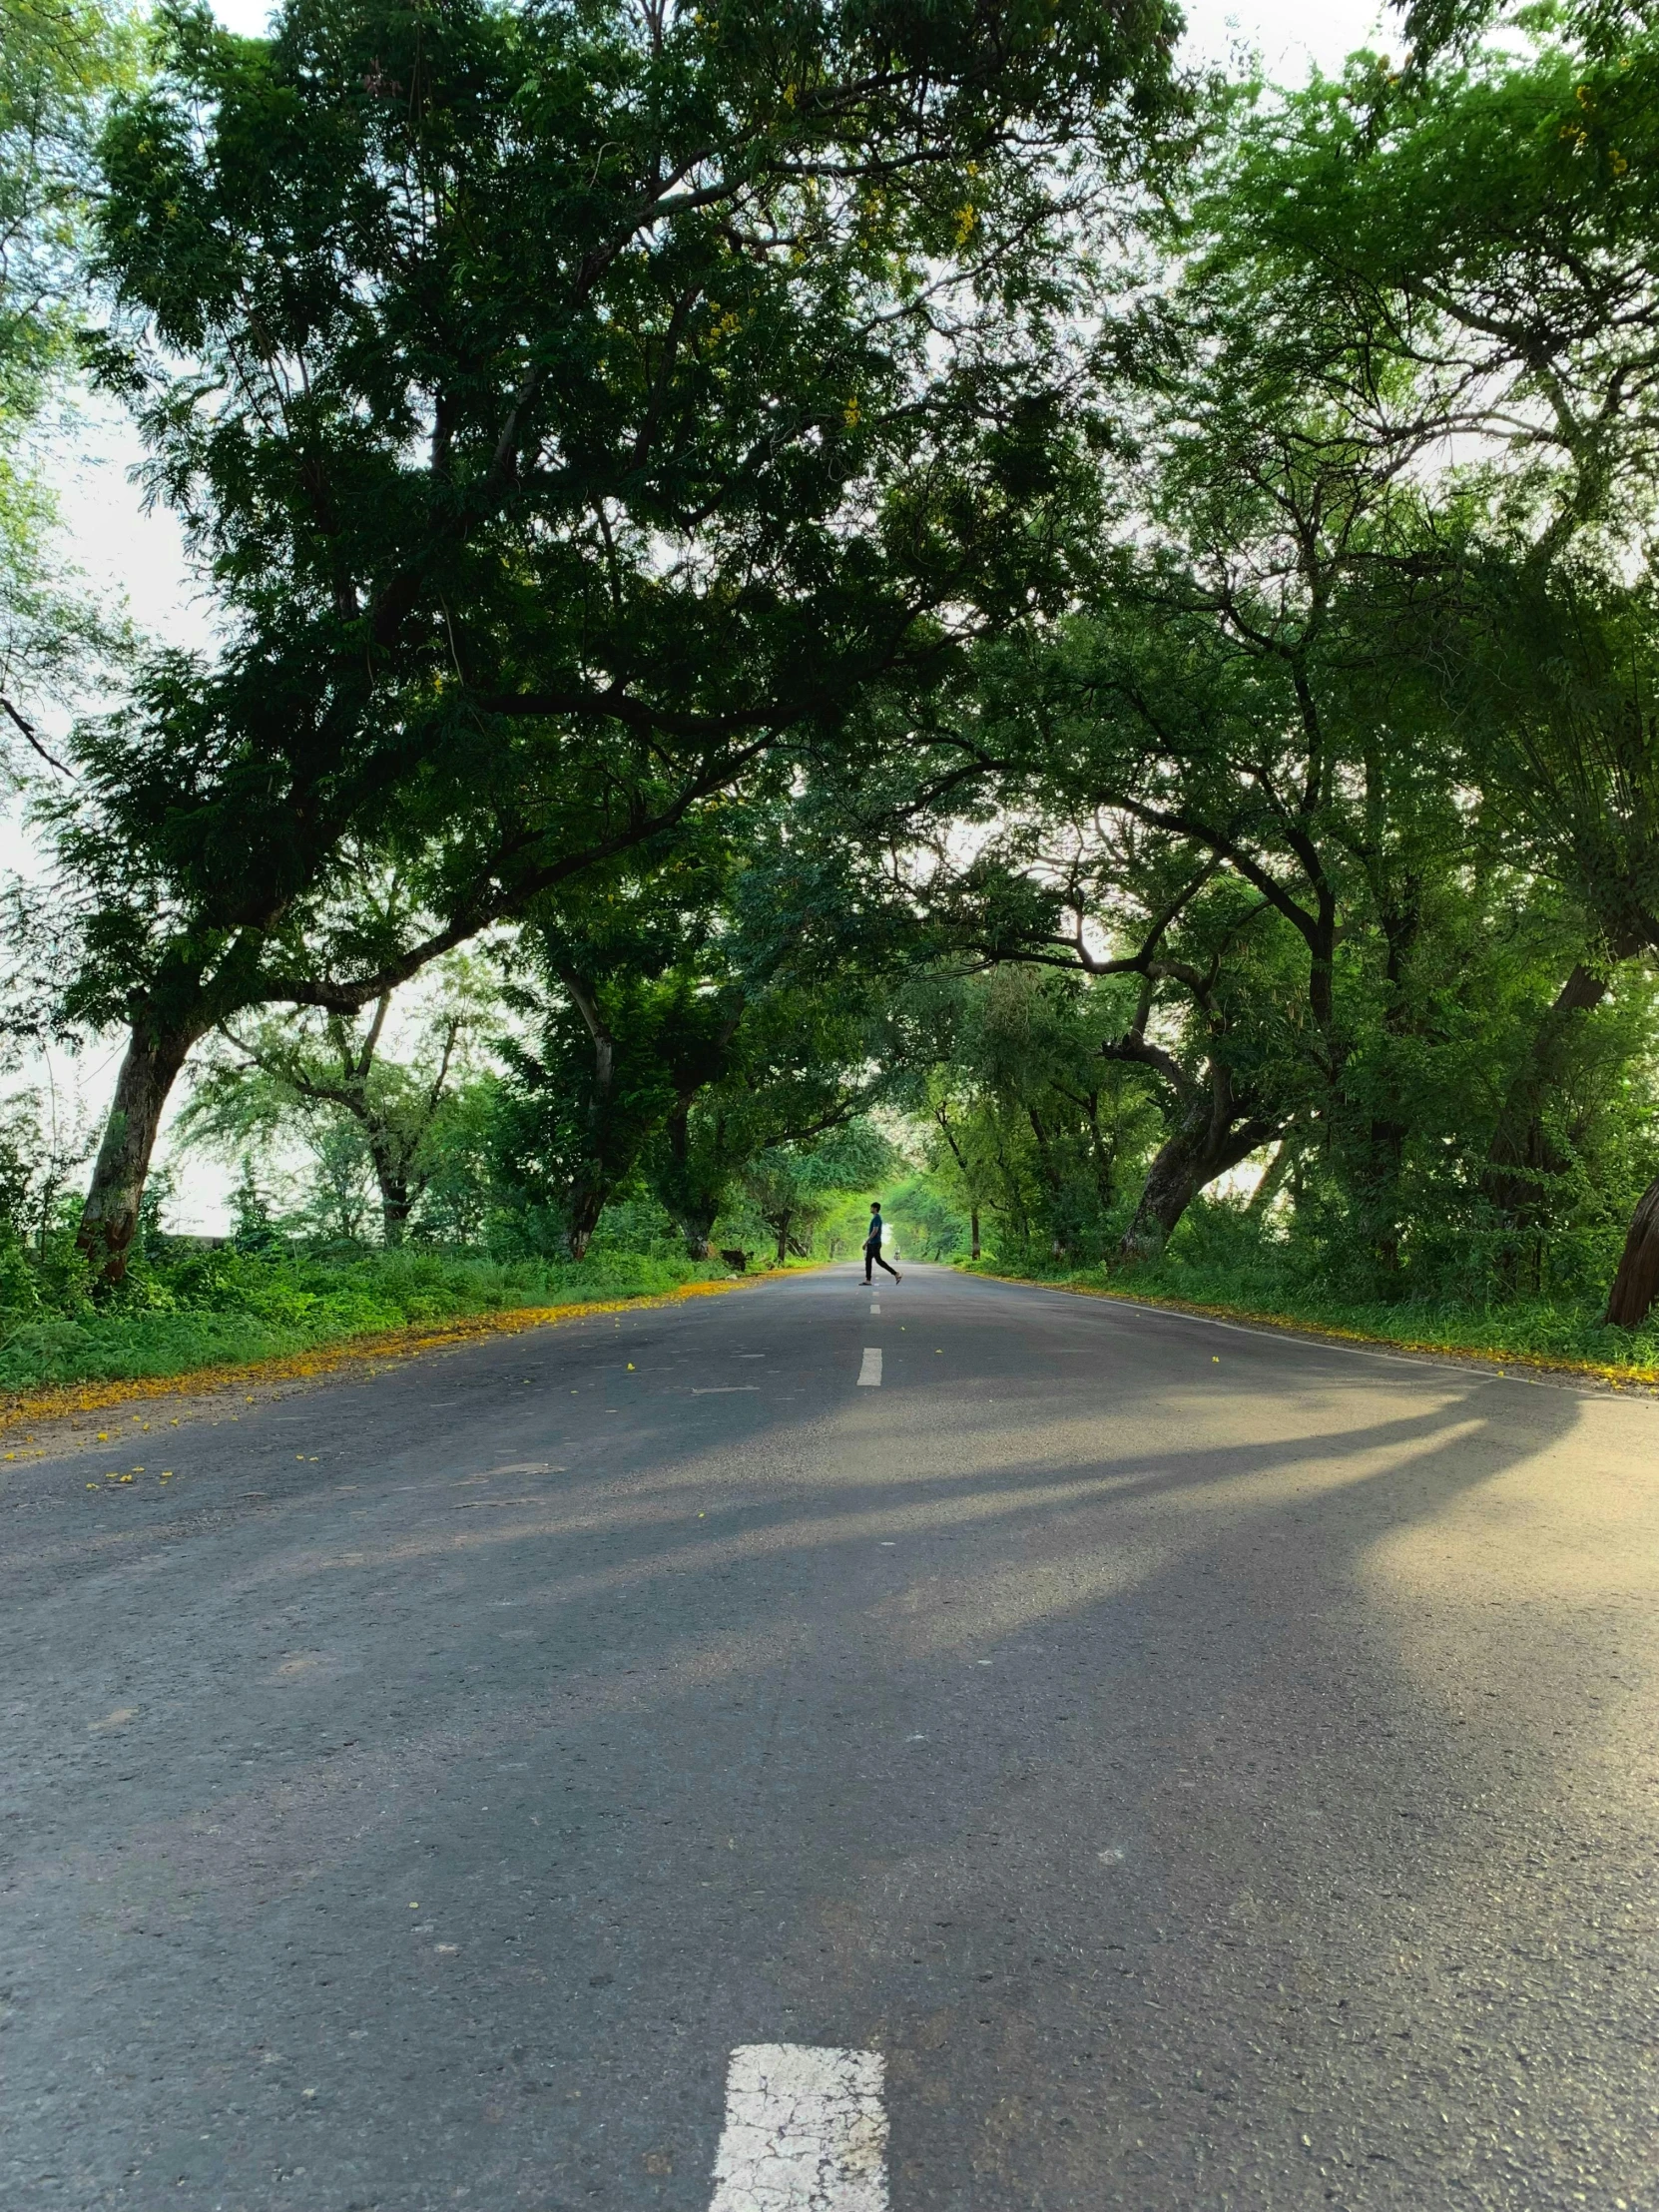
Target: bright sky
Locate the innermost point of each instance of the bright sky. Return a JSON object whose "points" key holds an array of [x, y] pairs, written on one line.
{"points": [[124, 551], [1288, 32]]}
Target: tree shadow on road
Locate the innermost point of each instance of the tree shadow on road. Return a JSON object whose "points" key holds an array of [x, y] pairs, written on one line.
{"points": [[1207, 1736]]}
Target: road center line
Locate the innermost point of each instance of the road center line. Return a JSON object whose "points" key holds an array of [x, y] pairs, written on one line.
{"points": [[870, 1372], [805, 2131]]}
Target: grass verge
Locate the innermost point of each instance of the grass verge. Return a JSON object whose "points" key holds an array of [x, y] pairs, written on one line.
{"points": [[121, 1362], [1527, 1333]]}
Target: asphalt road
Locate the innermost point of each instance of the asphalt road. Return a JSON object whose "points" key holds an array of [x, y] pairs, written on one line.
{"points": [[1206, 1768]]}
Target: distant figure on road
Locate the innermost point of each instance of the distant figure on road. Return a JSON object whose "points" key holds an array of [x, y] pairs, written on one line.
{"points": [[873, 1243]]}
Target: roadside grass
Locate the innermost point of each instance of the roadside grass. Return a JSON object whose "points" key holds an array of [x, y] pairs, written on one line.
{"points": [[234, 1309], [1540, 1332]]}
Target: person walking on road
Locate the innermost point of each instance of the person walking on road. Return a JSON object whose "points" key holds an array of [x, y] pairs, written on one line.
{"points": [[873, 1243]]}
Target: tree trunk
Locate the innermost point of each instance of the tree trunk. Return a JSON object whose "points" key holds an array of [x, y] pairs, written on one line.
{"points": [[1637, 1282], [1215, 1131], [696, 1225], [784, 1221], [1376, 1180], [586, 1208], [110, 1217], [1197, 1150], [691, 1205], [396, 1205], [1377, 1189], [973, 1229], [391, 1174], [1522, 1161], [595, 1176]]}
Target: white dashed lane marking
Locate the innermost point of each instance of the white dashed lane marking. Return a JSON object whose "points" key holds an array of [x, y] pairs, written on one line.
{"points": [[805, 2131], [870, 1372]]}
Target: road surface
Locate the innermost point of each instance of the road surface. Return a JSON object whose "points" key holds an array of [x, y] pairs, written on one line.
{"points": [[1047, 1754]]}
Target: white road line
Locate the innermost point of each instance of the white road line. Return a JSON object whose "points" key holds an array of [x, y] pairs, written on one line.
{"points": [[805, 2131], [870, 1372], [874, 1309]]}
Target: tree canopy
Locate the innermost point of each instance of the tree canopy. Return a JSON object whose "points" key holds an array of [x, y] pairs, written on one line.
{"points": [[58, 65], [569, 408], [951, 602]]}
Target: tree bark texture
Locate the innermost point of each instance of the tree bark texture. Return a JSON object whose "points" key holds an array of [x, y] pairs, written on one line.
{"points": [[1637, 1282], [110, 1217]]}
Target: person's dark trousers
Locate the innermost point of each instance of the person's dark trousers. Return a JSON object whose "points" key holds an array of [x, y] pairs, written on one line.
{"points": [[872, 1253]]}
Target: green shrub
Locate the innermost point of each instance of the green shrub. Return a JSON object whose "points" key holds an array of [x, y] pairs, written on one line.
{"points": [[1217, 1265], [198, 1308]]}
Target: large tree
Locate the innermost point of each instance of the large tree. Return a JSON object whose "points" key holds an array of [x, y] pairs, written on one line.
{"points": [[1491, 215], [1356, 634], [1236, 710], [568, 405]]}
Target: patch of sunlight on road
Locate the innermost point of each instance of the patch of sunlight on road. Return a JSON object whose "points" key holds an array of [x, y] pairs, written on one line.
{"points": [[1338, 1467], [1574, 1521], [1524, 1599]]}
